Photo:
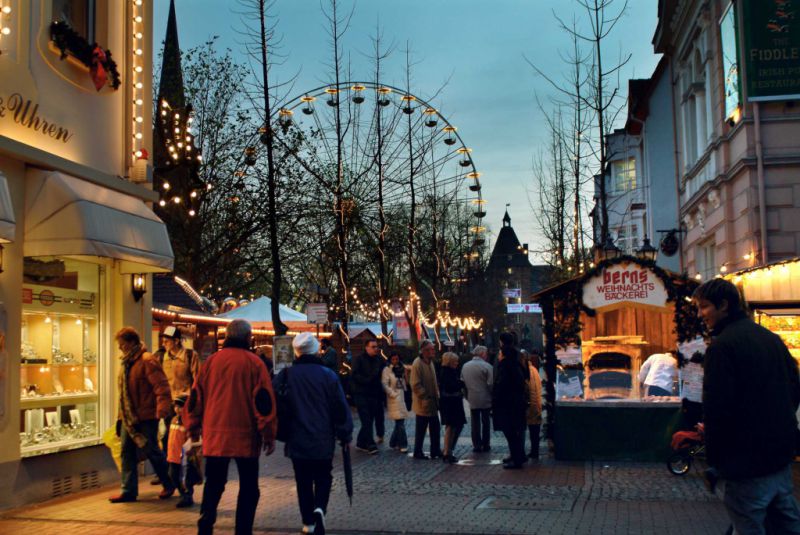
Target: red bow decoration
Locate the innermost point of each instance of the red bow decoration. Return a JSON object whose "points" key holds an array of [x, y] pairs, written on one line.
{"points": [[97, 71]]}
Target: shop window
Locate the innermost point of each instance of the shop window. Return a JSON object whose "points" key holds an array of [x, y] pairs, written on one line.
{"points": [[623, 175], [705, 261], [60, 354], [80, 15]]}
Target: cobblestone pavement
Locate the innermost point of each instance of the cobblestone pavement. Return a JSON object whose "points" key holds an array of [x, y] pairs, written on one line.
{"points": [[395, 494]]}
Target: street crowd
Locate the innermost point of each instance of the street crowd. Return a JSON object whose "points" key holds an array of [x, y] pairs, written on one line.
{"points": [[230, 408]]}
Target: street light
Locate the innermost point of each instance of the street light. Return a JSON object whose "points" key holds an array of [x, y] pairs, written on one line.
{"points": [[609, 250], [647, 251]]}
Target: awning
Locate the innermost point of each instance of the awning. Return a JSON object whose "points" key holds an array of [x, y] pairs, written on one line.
{"points": [[7, 222], [67, 216]]}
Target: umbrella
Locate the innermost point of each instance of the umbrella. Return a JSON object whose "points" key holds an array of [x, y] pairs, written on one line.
{"points": [[348, 470]]}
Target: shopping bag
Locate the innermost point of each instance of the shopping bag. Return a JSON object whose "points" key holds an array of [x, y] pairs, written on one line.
{"points": [[112, 441]]}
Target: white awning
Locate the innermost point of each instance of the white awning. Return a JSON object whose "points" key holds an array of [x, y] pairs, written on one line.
{"points": [[65, 216], [7, 222]]}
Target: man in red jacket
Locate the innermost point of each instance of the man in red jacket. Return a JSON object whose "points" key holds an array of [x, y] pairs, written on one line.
{"points": [[144, 398], [233, 404]]}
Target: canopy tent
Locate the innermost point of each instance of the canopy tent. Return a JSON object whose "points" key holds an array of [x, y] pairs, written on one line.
{"points": [[65, 215], [7, 222], [260, 311]]}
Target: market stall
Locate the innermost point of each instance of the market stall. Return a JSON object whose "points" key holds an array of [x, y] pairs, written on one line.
{"points": [[772, 292], [613, 317]]}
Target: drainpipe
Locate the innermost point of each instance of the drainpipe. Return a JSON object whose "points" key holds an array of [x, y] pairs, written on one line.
{"points": [[762, 196], [677, 166]]}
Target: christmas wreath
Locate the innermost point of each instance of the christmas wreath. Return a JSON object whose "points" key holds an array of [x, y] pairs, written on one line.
{"points": [[102, 68]]}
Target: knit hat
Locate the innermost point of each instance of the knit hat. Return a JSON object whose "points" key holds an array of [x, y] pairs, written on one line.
{"points": [[305, 344]]}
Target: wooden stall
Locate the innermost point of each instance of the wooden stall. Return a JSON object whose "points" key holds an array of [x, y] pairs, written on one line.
{"points": [[617, 314]]}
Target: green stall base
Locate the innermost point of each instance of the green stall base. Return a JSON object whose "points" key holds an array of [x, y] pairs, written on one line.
{"points": [[615, 430]]}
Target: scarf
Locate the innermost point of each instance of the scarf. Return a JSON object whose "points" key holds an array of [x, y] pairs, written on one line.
{"points": [[129, 419], [400, 373]]}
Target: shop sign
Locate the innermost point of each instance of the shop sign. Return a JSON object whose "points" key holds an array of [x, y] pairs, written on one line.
{"points": [[16, 108], [402, 331], [730, 60], [317, 313], [524, 308], [771, 49], [624, 283], [58, 299], [512, 293]]}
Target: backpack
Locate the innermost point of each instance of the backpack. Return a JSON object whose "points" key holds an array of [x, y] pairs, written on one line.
{"points": [[284, 409]]}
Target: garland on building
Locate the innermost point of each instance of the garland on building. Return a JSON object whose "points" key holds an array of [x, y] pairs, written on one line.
{"points": [[568, 302], [70, 42]]}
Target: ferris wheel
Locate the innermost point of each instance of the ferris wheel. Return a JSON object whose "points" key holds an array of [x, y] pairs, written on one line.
{"points": [[388, 146]]}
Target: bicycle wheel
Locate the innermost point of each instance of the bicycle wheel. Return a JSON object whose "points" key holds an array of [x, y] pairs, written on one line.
{"points": [[679, 463]]}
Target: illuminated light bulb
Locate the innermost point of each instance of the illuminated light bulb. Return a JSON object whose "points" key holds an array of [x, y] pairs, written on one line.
{"points": [[78, 321], [162, 202], [208, 186], [138, 35], [747, 256], [200, 158], [139, 85], [6, 10], [138, 52], [137, 2], [191, 213], [176, 200], [138, 135], [166, 185], [177, 130], [723, 268], [138, 68], [5, 31], [193, 194], [47, 319], [138, 154], [138, 102], [698, 277], [163, 113], [139, 120], [137, 18]]}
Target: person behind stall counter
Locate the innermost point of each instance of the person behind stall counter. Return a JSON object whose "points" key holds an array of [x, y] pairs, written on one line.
{"points": [[658, 374]]}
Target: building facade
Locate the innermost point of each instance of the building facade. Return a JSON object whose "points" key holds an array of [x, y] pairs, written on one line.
{"points": [[731, 68], [79, 238]]}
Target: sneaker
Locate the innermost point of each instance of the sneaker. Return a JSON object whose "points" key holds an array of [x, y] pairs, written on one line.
{"points": [[379, 440], [319, 521], [307, 529], [421, 457], [122, 498]]}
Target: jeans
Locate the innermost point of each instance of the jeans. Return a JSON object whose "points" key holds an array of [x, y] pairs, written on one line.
{"points": [[481, 430], [176, 476], [370, 410], [515, 436], [755, 503], [451, 434], [130, 459], [399, 439], [653, 390], [534, 432], [165, 438], [313, 479], [423, 423], [216, 477]]}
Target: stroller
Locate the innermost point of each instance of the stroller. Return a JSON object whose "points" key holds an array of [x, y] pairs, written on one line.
{"points": [[686, 446]]}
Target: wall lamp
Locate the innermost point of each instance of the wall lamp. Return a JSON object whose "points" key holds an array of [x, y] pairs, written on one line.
{"points": [[138, 285]]}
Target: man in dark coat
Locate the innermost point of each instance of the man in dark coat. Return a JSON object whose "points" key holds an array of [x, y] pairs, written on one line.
{"points": [[368, 395], [510, 401], [329, 357], [320, 416], [751, 391]]}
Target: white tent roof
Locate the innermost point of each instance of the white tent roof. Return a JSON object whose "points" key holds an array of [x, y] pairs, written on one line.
{"points": [[260, 311], [65, 215], [7, 221]]}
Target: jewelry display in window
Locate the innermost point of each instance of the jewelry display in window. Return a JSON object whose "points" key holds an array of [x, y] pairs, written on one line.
{"points": [[89, 356], [28, 354], [63, 357]]}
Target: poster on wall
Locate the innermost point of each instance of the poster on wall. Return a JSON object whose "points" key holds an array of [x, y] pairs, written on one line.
{"points": [[624, 283], [730, 61], [771, 49], [402, 331]]}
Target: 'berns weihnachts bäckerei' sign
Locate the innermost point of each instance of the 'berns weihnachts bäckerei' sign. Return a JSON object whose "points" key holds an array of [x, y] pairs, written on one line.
{"points": [[624, 283]]}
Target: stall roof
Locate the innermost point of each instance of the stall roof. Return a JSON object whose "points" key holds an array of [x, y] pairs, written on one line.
{"points": [[65, 215], [773, 285], [260, 311]]}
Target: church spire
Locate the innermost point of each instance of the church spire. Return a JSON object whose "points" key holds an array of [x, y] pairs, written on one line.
{"points": [[507, 218], [170, 87]]}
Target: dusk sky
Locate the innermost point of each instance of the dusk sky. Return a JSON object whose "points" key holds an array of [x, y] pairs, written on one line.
{"points": [[477, 47]]}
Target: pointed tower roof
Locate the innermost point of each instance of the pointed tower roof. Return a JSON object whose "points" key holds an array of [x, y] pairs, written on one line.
{"points": [[170, 85], [508, 252], [506, 219]]}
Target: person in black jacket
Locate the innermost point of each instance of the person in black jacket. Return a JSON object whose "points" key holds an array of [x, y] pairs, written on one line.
{"points": [[368, 395], [751, 391], [510, 401]]}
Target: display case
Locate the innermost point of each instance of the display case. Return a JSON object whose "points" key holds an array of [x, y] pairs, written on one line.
{"points": [[59, 355], [786, 326]]}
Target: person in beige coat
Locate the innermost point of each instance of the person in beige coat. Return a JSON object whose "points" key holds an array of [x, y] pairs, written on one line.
{"points": [[425, 401], [394, 383], [534, 416]]}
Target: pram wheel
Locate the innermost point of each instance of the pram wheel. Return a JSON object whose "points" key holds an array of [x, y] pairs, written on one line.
{"points": [[679, 463]]}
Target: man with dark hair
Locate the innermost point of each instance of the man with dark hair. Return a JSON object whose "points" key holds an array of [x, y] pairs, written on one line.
{"points": [[329, 358], [232, 402], [751, 391], [368, 395]]}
